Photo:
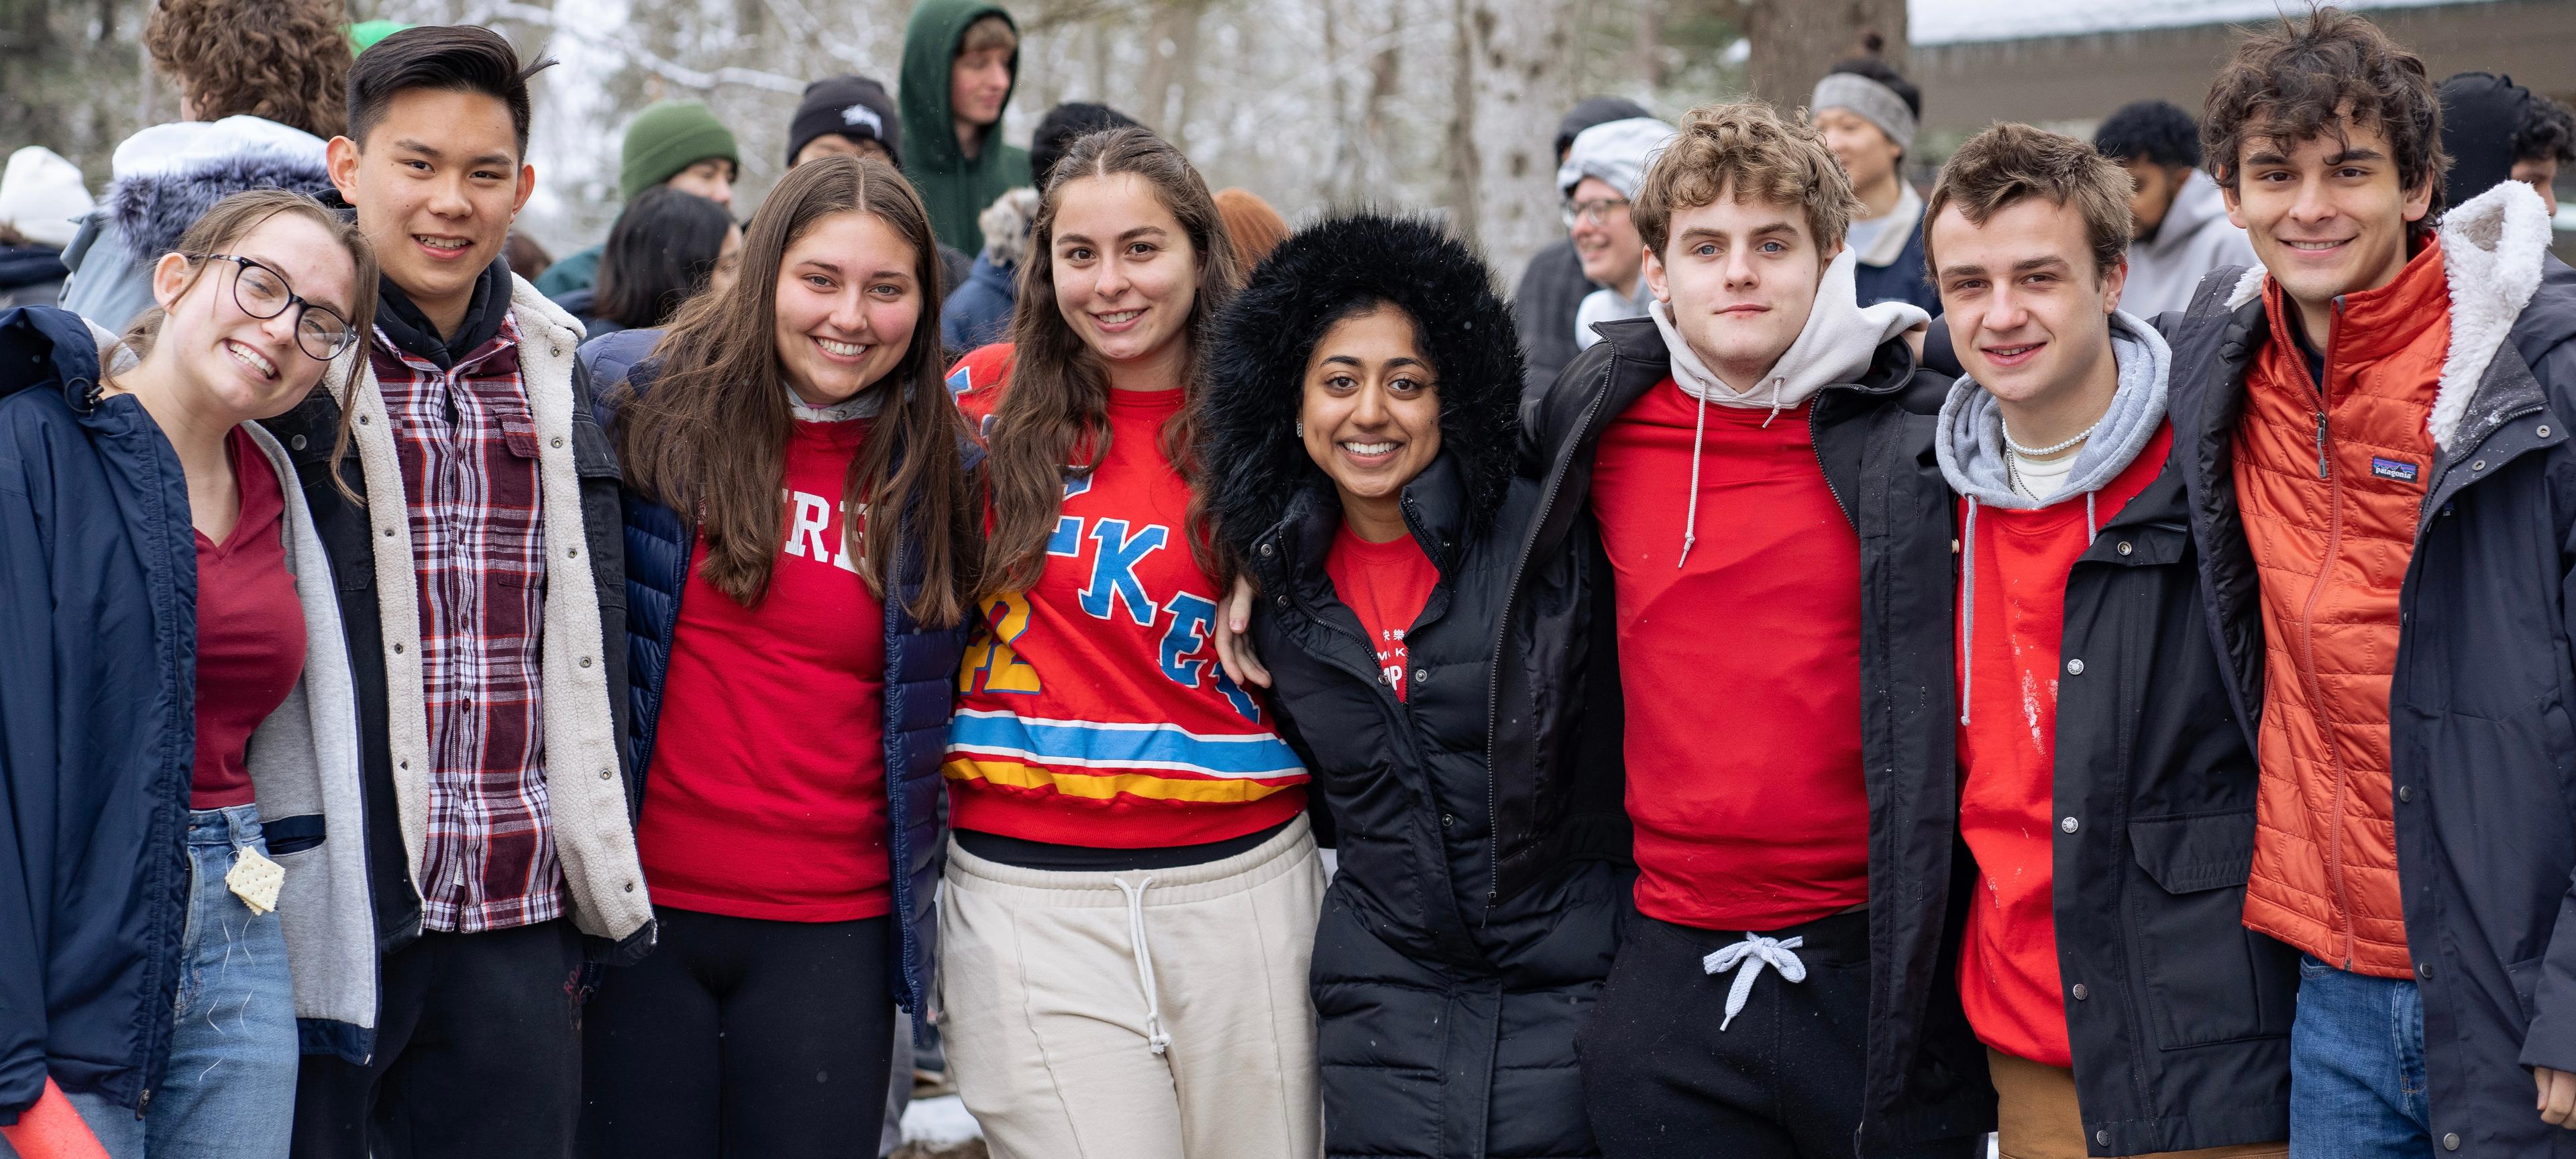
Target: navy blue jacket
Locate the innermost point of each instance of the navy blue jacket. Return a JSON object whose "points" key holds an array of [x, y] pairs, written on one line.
{"points": [[978, 312], [98, 569], [920, 689]]}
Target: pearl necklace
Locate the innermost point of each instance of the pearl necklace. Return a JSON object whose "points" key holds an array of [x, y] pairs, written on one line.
{"points": [[2054, 448]]}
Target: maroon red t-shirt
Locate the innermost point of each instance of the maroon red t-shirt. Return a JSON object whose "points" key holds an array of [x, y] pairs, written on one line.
{"points": [[766, 796], [250, 631], [1740, 667], [1386, 585]]}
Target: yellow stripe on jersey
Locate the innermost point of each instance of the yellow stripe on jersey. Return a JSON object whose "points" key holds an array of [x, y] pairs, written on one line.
{"points": [[1102, 788]]}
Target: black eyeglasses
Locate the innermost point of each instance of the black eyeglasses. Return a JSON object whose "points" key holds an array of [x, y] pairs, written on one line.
{"points": [[261, 292]]}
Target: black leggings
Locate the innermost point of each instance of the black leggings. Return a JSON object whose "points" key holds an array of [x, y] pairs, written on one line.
{"points": [[741, 1037]]}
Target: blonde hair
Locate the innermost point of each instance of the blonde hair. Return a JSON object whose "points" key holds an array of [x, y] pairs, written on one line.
{"points": [[1748, 150], [2009, 163], [991, 30]]}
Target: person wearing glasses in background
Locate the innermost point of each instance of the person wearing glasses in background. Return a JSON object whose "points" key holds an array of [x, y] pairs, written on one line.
{"points": [[178, 730], [1600, 175]]}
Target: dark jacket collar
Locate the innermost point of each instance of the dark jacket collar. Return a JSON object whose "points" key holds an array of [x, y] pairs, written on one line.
{"points": [[1436, 512], [409, 328], [44, 346]]}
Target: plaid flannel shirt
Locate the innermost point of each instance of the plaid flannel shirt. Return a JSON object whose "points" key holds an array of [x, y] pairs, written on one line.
{"points": [[468, 449]]}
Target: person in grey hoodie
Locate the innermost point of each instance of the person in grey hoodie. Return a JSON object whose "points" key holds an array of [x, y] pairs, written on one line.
{"points": [[2180, 230], [2109, 811]]}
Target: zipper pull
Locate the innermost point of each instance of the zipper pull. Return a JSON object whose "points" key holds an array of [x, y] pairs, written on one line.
{"points": [[2321, 444]]}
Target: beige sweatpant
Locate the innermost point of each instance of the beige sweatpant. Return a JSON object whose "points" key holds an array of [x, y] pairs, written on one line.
{"points": [[1059, 987]]}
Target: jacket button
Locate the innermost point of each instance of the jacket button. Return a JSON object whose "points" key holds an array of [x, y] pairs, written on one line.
{"points": [[572, 553], [389, 533], [1422, 676], [2101, 1138], [2075, 667], [362, 420], [297, 443], [2124, 547], [2450, 1140], [585, 661], [1446, 820], [630, 887], [398, 649], [2480, 465], [558, 440], [1954, 547], [1266, 550], [1283, 599], [2543, 432], [2081, 993], [2067, 825], [607, 775], [2423, 969], [2405, 792]]}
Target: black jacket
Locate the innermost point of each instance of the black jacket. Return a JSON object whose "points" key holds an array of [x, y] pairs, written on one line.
{"points": [[1418, 963], [2482, 742], [1926, 1071]]}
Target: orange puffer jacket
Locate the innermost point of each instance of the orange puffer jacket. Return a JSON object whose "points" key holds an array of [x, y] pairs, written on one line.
{"points": [[2330, 487]]}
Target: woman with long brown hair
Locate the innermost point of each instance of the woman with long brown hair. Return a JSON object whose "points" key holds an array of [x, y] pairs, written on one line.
{"points": [[1133, 886], [798, 549]]}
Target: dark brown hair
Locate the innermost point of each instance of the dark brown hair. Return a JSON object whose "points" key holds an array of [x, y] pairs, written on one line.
{"points": [[1745, 150], [1053, 419], [2009, 163], [232, 219], [448, 57], [710, 436], [286, 60], [2303, 81]]}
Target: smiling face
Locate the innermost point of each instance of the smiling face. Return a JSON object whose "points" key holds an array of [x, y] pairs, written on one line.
{"points": [[1865, 150], [436, 183], [711, 179], [1125, 273], [2326, 216], [1740, 276], [848, 300], [978, 83], [1371, 408], [240, 366], [2029, 315], [1605, 236]]}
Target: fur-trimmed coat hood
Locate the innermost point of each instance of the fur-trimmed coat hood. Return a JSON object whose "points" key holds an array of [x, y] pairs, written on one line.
{"points": [[168, 176], [1257, 464]]}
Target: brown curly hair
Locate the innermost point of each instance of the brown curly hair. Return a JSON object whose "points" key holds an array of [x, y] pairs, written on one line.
{"points": [[2314, 78], [286, 60], [1746, 150]]}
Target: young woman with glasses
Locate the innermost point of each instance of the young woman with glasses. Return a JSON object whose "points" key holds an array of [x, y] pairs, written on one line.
{"points": [[178, 733]]}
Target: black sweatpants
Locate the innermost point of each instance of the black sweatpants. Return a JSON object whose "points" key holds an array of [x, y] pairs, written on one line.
{"points": [[1783, 1081], [478, 1054], [742, 1038]]}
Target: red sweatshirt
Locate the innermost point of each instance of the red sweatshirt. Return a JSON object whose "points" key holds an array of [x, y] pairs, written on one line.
{"points": [[1740, 668], [1093, 711], [2008, 978], [766, 797]]}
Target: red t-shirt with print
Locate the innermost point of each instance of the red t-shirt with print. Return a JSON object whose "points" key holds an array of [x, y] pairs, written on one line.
{"points": [[1386, 586]]}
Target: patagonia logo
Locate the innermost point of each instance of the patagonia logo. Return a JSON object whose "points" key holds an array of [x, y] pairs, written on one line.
{"points": [[2398, 469]]}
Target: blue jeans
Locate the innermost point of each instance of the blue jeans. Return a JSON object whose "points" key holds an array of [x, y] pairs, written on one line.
{"points": [[2357, 1067], [229, 1089]]}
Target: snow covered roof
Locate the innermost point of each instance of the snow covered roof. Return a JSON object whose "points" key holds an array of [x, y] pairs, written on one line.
{"points": [[1961, 21]]}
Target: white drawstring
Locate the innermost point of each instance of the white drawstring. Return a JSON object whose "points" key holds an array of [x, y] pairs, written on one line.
{"points": [[1753, 953], [2091, 530], [1155, 1039], [1968, 614], [1777, 383], [1690, 522]]}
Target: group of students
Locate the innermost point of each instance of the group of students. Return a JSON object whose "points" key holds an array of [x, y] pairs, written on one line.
{"points": [[1799, 727]]}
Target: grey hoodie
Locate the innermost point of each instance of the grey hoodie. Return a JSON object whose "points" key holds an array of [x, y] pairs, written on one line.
{"points": [[2194, 238], [1970, 446]]}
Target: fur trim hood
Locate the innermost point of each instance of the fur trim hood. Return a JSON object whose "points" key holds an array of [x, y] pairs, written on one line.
{"points": [[1248, 425], [168, 176]]}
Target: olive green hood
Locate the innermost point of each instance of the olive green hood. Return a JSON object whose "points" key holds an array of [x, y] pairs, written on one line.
{"points": [[952, 187]]}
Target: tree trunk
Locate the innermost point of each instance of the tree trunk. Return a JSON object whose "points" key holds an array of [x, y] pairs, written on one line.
{"points": [[1795, 41], [1515, 78]]}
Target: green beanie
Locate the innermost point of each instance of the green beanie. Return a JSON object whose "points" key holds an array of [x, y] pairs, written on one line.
{"points": [[667, 137], [364, 34]]}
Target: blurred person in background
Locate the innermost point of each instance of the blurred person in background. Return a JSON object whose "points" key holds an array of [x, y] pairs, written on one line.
{"points": [[1553, 285], [676, 143], [2176, 214], [2483, 119], [1869, 113], [260, 88], [1251, 223], [2545, 144], [961, 59], [527, 259], [664, 249], [1599, 180], [42, 202]]}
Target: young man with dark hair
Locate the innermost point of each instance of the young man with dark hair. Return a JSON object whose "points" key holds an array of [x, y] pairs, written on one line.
{"points": [[1869, 113], [2372, 428], [2179, 222], [2107, 804], [961, 58], [2545, 143], [480, 568], [1750, 457], [676, 143]]}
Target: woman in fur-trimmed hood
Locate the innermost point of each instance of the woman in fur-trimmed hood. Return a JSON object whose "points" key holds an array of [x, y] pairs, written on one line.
{"points": [[1358, 433]]}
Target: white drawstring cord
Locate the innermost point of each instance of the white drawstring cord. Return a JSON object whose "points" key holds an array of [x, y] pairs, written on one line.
{"points": [[1753, 953], [1777, 383], [1968, 614], [1690, 522], [1155, 1039]]}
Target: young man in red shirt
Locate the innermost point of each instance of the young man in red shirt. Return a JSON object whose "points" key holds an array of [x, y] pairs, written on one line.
{"points": [[1777, 672], [2107, 803]]}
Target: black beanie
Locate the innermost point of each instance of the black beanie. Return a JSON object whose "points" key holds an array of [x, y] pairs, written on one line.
{"points": [[1061, 127], [1597, 111], [853, 106], [2481, 112]]}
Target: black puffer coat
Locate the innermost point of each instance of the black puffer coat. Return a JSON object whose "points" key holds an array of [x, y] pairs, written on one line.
{"points": [[1448, 1004]]}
